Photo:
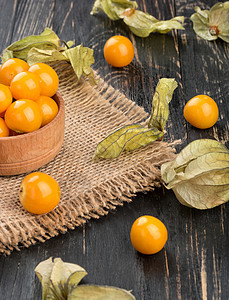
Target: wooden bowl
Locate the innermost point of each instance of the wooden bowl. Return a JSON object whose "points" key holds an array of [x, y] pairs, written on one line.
{"points": [[28, 152]]}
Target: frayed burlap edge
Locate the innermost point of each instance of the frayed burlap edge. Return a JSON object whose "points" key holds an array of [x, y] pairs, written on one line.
{"points": [[97, 202]]}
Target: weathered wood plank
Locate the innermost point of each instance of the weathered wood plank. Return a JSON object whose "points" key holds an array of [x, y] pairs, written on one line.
{"points": [[32, 17], [8, 12], [204, 68]]}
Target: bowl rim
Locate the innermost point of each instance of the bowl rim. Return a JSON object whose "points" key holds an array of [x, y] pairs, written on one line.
{"points": [[58, 98]]}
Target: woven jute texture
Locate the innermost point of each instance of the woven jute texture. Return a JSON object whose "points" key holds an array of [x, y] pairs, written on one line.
{"points": [[89, 189]]}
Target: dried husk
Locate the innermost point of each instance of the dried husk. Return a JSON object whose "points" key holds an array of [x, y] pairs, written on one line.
{"points": [[60, 282], [58, 278], [199, 196], [113, 8], [81, 59], [127, 138], [46, 40], [199, 175], [47, 47], [95, 292], [43, 272], [135, 136], [142, 24], [160, 103], [36, 55], [175, 168], [139, 22], [212, 24]]}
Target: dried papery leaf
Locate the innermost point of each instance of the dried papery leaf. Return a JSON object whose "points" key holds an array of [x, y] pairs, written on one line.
{"points": [[202, 14], [160, 108], [47, 40], [6, 54], [168, 25], [127, 138], [36, 55], [191, 194], [215, 177], [47, 36], [58, 278], [201, 27], [135, 136], [47, 48], [213, 23], [139, 22], [142, 24], [219, 16], [63, 277], [202, 166], [60, 282], [219, 13], [199, 175], [81, 59], [197, 148], [142, 138], [43, 272], [113, 8], [23, 53], [68, 44], [93, 292], [209, 162], [76, 274]]}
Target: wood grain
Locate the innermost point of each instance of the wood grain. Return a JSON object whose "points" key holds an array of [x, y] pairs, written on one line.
{"points": [[194, 263]]}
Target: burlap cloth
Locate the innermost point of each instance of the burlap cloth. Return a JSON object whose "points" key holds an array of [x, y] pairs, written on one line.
{"points": [[89, 189]]}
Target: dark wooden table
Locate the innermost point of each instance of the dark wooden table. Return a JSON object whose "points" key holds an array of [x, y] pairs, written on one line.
{"points": [[194, 263]]}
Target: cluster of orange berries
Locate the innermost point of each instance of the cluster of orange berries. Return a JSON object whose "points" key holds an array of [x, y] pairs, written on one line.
{"points": [[25, 96]]}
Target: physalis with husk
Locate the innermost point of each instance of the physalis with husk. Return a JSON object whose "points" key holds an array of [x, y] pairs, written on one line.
{"points": [[60, 281]]}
